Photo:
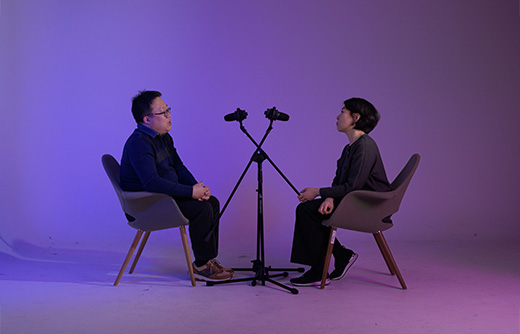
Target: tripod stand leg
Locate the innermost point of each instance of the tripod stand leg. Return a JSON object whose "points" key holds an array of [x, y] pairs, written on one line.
{"points": [[261, 271], [292, 290]]}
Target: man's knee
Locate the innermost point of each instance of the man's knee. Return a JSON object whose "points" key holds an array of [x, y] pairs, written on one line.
{"points": [[214, 202]]}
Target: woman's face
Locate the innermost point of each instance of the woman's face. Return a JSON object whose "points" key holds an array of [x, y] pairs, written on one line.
{"points": [[345, 121]]}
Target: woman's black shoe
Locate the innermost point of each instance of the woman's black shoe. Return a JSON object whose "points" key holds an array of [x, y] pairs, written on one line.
{"points": [[309, 278]]}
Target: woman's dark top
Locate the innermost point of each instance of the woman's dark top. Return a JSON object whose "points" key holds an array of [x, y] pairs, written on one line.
{"points": [[360, 167]]}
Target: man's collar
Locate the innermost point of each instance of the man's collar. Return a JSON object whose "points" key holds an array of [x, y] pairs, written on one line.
{"points": [[147, 130]]}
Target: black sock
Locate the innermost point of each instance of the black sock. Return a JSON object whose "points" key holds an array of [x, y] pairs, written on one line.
{"points": [[199, 263], [337, 249]]}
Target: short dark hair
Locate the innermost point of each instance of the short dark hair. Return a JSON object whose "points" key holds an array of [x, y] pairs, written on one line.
{"points": [[142, 102], [369, 116]]}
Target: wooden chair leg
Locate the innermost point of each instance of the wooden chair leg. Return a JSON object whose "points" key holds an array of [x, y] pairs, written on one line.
{"points": [[187, 253], [380, 244], [392, 260], [332, 238], [129, 255], [139, 251]]}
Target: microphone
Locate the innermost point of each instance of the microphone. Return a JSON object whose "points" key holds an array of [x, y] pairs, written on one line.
{"points": [[275, 115], [238, 115]]}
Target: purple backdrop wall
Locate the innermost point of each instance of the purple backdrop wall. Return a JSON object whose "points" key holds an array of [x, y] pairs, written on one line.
{"points": [[444, 74]]}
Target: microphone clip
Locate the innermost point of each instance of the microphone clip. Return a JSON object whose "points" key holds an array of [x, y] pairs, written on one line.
{"points": [[274, 115], [238, 115]]}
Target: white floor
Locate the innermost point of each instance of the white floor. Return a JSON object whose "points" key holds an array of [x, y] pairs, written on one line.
{"points": [[452, 288]]}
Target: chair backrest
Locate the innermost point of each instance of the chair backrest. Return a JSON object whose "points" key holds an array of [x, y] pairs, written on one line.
{"points": [[364, 211], [405, 176], [113, 169], [400, 184]]}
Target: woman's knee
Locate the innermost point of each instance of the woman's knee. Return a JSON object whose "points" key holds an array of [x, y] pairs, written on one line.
{"points": [[309, 207]]}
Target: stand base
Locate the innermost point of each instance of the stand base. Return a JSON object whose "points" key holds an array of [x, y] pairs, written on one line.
{"points": [[262, 275]]}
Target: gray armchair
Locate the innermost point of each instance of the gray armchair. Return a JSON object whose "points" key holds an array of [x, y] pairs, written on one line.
{"points": [[369, 212], [146, 212]]}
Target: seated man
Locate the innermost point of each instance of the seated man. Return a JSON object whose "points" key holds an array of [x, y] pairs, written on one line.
{"points": [[150, 163]]}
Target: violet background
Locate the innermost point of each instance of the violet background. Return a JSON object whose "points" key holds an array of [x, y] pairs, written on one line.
{"points": [[444, 75]]}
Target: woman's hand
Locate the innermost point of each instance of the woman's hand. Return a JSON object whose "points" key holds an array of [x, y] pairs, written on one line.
{"points": [[327, 206], [308, 194]]}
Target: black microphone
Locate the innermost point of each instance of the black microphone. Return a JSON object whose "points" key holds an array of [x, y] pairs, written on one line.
{"points": [[238, 115], [275, 115]]}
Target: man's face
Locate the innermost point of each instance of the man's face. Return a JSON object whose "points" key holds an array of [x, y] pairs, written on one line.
{"points": [[159, 118]]}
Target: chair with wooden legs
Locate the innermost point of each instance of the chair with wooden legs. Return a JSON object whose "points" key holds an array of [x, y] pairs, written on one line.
{"points": [[367, 211], [146, 212]]}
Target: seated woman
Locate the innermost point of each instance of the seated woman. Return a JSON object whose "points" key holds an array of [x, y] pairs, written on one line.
{"points": [[359, 168]]}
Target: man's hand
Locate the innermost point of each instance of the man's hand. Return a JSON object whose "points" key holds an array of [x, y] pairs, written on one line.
{"points": [[201, 192], [308, 194], [207, 194], [327, 206]]}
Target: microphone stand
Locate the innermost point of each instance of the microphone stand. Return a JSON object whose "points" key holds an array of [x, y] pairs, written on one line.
{"points": [[261, 271]]}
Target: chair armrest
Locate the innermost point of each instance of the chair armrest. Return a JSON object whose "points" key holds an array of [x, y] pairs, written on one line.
{"points": [[148, 206], [133, 195], [363, 210], [368, 194]]}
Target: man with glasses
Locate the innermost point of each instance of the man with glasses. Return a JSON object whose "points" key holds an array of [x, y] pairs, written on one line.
{"points": [[150, 163]]}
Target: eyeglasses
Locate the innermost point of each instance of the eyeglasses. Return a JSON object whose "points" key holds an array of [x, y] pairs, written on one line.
{"points": [[166, 113]]}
